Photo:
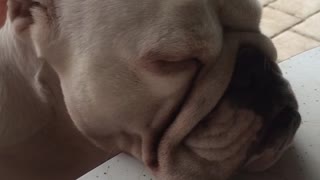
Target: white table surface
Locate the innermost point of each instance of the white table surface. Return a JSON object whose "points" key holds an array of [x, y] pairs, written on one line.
{"points": [[301, 162]]}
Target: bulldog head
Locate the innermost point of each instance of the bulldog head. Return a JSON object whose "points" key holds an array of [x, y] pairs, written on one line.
{"points": [[189, 87]]}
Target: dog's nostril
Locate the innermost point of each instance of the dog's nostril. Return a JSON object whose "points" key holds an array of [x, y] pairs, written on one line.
{"points": [[287, 118]]}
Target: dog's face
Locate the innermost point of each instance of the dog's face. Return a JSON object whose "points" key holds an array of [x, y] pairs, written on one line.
{"points": [[168, 80]]}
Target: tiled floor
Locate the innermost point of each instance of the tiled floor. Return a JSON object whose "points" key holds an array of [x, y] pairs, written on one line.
{"points": [[293, 25]]}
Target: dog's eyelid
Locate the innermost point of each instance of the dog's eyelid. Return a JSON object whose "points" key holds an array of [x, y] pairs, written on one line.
{"points": [[35, 3]]}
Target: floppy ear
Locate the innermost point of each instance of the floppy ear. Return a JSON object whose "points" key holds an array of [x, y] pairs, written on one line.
{"points": [[3, 12], [31, 21], [19, 12]]}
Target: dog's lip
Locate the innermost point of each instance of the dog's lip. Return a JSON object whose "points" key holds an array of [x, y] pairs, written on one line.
{"points": [[152, 157], [152, 150], [152, 160]]}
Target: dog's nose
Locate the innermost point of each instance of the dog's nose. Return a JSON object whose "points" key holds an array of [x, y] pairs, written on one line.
{"points": [[258, 83], [288, 118], [254, 71]]}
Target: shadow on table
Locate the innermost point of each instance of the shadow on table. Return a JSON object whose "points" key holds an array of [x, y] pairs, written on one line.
{"points": [[290, 167]]}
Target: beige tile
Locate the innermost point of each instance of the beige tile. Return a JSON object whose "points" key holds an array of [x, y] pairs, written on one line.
{"points": [[290, 44], [298, 8], [274, 21], [310, 28], [266, 2]]}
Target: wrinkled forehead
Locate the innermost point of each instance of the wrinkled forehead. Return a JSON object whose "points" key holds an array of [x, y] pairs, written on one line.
{"points": [[131, 13], [126, 25], [134, 7], [235, 14]]}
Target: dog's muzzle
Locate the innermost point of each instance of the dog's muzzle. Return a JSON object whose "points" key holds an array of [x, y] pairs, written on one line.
{"points": [[248, 127], [258, 85]]}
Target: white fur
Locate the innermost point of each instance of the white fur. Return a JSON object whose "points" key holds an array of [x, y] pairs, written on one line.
{"points": [[125, 67]]}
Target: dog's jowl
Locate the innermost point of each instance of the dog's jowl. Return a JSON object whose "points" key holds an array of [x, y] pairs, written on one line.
{"points": [[188, 87]]}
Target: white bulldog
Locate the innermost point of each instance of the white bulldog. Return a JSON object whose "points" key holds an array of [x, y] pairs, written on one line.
{"points": [[189, 87]]}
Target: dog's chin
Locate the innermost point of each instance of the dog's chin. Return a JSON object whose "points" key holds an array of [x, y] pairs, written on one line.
{"points": [[269, 156], [273, 145], [264, 161]]}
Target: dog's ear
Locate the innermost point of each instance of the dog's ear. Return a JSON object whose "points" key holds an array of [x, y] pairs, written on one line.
{"points": [[20, 15], [3, 12], [32, 21]]}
